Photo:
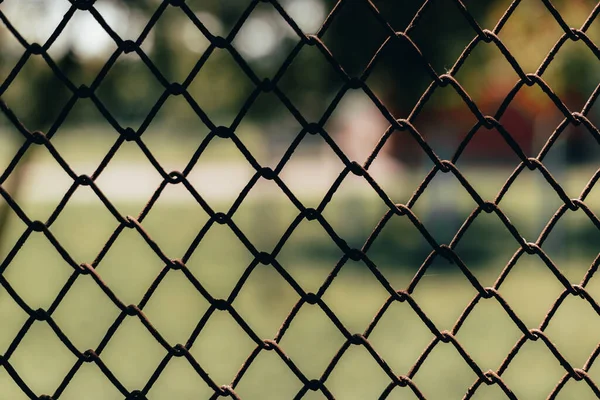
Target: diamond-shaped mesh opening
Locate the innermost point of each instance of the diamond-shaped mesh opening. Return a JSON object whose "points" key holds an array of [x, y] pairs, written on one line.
{"points": [[85, 308], [132, 258], [444, 215], [546, 33], [533, 110], [356, 125], [298, 338], [176, 134], [401, 97], [185, 220], [318, 77], [361, 291], [267, 115], [144, 90], [488, 172], [354, 210], [488, 334], [48, 13], [495, 77], [42, 358], [179, 369], [220, 75], [275, 379], [265, 204], [446, 105], [218, 182], [224, 340], [91, 380], [445, 361], [26, 101], [455, 293], [103, 45], [39, 280], [133, 354], [531, 305], [265, 301], [519, 202], [175, 308], [570, 330], [486, 247], [96, 227], [568, 159], [455, 33], [307, 181], [391, 252], [34, 184], [360, 43], [309, 254], [357, 364], [129, 185], [573, 58], [309, 15], [84, 139], [265, 39], [400, 328], [593, 286], [572, 244], [219, 260], [535, 360], [172, 27]]}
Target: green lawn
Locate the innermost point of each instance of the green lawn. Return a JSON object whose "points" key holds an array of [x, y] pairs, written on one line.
{"points": [[38, 272]]}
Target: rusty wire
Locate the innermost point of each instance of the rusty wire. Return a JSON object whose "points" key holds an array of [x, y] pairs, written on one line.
{"points": [[397, 126]]}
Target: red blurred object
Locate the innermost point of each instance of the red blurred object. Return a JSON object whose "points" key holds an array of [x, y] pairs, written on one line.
{"points": [[526, 117]]}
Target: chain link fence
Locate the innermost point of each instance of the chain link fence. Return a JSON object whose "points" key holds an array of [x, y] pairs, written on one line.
{"points": [[93, 270]]}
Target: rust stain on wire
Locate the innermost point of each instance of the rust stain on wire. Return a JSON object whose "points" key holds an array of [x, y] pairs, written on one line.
{"points": [[446, 251]]}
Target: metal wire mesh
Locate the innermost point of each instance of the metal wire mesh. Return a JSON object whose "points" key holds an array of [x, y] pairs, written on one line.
{"points": [[396, 127]]}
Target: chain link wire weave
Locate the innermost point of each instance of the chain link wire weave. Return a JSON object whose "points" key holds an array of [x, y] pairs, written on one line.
{"points": [[396, 126]]}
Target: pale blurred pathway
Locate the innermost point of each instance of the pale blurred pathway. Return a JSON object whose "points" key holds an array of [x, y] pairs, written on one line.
{"points": [[215, 181]]}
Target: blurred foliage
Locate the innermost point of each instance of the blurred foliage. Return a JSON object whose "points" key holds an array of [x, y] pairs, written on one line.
{"points": [[129, 90]]}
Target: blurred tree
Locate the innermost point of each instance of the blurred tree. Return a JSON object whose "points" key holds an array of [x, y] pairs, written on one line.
{"points": [[354, 37], [399, 78]]}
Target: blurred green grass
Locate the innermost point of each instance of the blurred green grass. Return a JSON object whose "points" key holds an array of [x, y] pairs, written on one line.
{"points": [[38, 272]]}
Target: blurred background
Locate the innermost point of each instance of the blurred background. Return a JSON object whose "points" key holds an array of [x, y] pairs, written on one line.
{"points": [[129, 92]]}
